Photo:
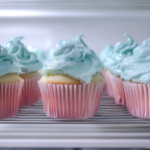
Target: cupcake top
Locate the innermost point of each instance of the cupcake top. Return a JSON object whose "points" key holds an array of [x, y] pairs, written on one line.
{"points": [[73, 58], [8, 62], [137, 66], [121, 51], [41, 55], [27, 60], [105, 56]]}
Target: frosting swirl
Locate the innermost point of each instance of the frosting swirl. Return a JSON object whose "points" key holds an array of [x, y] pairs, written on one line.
{"points": [[136, 67], [27, 60], [105, 56], [8, 62], [41, 55], [121, 51], [74, 58]]}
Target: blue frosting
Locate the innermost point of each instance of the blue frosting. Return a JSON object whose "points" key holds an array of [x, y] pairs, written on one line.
{"points": [[28, 61], [41, 55], [73, 57], [137, 66], [105, 56], [8, 62], [121, 51]]}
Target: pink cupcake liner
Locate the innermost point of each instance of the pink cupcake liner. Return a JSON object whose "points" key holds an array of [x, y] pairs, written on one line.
{"points": [[71, 101], [108, 87], [30, 91], [9, 98], [102, 73], [137, 99], [118, 90]]}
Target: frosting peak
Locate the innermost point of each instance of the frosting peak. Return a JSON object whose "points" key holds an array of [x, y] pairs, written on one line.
{"points": [[125, 47], [73, 57], [136, 67], [121, 51], [8, 62], [68, 43], [27, 60]]}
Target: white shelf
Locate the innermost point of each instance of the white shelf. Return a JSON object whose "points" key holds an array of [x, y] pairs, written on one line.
{"points": [[74, 8]]}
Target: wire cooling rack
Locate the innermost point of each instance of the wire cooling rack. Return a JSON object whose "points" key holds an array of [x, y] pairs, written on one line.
{"points": [[111, 127], [108, 113]]}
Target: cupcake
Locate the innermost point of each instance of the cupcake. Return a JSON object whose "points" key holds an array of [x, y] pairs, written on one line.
{"points": [[71, 85], [105, 57], [29, 70], [10, 84], [135, 71], [121, 51]]}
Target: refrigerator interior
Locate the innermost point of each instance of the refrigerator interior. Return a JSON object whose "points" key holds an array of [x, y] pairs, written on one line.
{"points": [[43, 23]]}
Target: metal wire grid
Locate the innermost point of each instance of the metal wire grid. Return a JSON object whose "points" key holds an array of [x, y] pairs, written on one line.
{"points": [[108, 113]]}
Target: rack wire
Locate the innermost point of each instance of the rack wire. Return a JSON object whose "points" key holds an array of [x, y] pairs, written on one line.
{"points": [[112, 126], [108, 113]]}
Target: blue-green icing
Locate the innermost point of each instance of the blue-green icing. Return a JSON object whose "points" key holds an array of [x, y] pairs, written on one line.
{"points": [[28, 61], [41, 55], [137, 67], [73, 58], [51, 53], [105, 56], [8, 62], [121, 51]]}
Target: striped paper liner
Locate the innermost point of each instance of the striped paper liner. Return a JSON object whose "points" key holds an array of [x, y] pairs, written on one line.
{"points": [[108, 87], [75, 101], [118, 90], [137, 97], [30, 91], [10, 98]]}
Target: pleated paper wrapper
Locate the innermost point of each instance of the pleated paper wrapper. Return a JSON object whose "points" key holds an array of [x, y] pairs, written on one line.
{"points": [[108, 87], [9, 99], [118, 90], [30, 91], [137, 97], [102, 73], [71, 101]]}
